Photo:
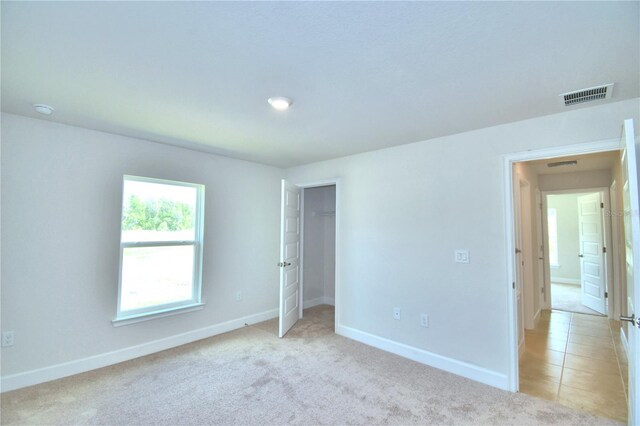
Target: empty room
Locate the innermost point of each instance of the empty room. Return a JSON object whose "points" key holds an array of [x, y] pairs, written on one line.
{"points": [[319, 213]]}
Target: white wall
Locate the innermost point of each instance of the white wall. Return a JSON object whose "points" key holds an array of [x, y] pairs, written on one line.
{"points": [[319, 245], [566, 206], [61, 201], [403, 212], [576, 180]]}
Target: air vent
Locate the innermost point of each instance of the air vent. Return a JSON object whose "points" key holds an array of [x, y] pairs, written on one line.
{"points": [[587, 95], [562, 163]]}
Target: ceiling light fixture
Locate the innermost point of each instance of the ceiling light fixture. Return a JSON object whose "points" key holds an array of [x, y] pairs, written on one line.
{"points": [[43, 109], [280, 102]]}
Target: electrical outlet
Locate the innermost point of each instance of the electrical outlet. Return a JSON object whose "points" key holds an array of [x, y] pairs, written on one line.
{"points": [[7, 338], [396, 313], [424, 320], [238, 296]]}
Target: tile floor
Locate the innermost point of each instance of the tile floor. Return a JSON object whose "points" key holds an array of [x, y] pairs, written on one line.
{"points": [[577, 360]]}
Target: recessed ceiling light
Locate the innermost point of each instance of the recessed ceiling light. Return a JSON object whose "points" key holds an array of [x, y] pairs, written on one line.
{"points": [[280, 102], [43, 109]]}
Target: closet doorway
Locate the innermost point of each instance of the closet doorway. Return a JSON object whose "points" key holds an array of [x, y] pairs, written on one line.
{"points": [[318, 258]]}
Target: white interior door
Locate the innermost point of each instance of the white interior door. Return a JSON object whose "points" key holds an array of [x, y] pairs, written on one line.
{"points": [[632, 249], [290, 257], [592, 271]]}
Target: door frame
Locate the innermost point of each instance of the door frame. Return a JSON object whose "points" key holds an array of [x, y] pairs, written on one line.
{"points": [[607, 235], [508, 180], [616, 270], [541, 251], [519, 277], [314, 184]]}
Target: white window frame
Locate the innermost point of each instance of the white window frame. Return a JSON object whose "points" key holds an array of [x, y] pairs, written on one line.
{"points": [[156, 311]]}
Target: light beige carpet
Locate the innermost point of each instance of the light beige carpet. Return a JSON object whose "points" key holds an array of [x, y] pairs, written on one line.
{"points": [[568, 297], [250, 377]]}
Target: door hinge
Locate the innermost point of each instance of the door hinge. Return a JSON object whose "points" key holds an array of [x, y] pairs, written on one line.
{"points": [[606, 294], [513, 285], [604, 249], [602, 205]]}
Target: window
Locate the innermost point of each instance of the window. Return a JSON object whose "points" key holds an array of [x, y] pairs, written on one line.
{"points": [[160, 247], [552, 220]]}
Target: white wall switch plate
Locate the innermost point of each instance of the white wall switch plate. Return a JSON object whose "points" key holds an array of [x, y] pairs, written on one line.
{"points": [[396, 313], [238, 296], [462, 256], [7, 338], [424, 320]]}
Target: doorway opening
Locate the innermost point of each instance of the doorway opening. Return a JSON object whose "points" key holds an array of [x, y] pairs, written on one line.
{"points": [[318, 246], [570, 349], [578, 234], [309, 253]]}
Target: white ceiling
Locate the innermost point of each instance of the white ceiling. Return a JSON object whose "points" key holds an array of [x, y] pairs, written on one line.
{"points": [[362, 75]]}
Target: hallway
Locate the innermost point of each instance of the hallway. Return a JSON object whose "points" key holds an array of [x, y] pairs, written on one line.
{"points": [[577, 360]]}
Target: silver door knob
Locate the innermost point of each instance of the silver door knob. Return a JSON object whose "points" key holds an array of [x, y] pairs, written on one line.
{"points": [[632, 319], [581, 255], [518, 251]]}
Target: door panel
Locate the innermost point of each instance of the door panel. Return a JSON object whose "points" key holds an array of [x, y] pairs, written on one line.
{"points": [[290, 257], [592, 277], [632, 249]]}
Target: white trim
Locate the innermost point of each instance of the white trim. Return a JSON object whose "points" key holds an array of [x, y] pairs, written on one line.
{"points": [[508, 161], [616, 233], [559, 280], [58, 371], [301, 303], [313, 302], [118, 322], [464, 369]]}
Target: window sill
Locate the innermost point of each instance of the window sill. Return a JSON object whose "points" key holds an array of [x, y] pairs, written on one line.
{"points": [[132, 319]]}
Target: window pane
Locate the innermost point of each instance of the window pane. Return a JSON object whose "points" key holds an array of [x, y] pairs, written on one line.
{"points": [[156, 276], [158, 212]]}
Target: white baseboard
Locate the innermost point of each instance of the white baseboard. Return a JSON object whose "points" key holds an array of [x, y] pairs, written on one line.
{"points": [[572, 281], [464, 369], [322, 300], [313, 302], [58, 371]]}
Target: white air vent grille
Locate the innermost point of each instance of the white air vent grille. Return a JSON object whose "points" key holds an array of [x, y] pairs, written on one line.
{"points": [[587, 95], [563, 163]]}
